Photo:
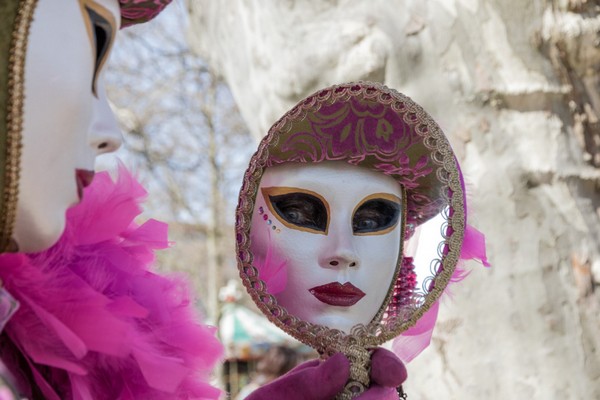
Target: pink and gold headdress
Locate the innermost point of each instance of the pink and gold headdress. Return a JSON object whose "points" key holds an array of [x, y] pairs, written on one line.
{"points": [[371, 126]]}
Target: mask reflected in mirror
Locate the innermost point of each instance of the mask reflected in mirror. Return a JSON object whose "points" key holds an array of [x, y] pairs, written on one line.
{"points": [[326, 240]]}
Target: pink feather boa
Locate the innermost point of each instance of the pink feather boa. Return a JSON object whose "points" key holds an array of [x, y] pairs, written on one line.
{"points": [[94, 321]]}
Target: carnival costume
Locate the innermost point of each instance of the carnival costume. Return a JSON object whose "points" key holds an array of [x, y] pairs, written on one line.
{"points": [[87, 318]]}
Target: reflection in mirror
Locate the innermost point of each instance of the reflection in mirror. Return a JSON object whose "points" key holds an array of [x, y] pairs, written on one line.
{"points": [[333, 232], [425, 247], [350, 221]]}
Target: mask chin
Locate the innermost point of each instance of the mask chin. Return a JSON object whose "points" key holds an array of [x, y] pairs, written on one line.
{"points": [[33, 233]]}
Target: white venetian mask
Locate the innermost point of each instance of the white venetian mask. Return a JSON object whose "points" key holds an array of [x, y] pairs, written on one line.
{"points": [[337, 228], [67, 119]]}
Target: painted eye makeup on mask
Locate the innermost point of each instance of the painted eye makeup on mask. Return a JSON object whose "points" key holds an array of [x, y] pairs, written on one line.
{"points": [[101, 28], [376, 215], [298, 209]]}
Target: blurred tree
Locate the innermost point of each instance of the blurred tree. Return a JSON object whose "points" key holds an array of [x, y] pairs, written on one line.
{"points": [[185, 139]]}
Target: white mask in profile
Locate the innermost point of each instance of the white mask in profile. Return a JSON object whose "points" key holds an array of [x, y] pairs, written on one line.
{"points": [[67, 119]]}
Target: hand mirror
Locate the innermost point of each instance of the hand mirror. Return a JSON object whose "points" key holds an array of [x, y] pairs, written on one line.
{"points": [[350, 221]]}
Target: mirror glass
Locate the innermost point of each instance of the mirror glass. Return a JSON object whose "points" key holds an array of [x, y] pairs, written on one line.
{"points": [[350, 217]]}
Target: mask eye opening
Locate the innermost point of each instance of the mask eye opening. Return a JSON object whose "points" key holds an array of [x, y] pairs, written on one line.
{"points": [[102, 30], [298, 209], [376, 216]]}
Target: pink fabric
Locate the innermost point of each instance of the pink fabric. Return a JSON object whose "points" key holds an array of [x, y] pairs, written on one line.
{"points": [[95, 322], [6, 394], [474, 246], [140, 11], [386, 369], [416, 339], [379, 393], [387, 373], [272, 271], [312, 380]]}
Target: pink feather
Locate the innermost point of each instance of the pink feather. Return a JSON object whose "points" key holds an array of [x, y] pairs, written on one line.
{"points": [[271, 270], [94, 321], [473, 247]]}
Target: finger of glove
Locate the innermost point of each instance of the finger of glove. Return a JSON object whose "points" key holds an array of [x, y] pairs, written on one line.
{"points": [[320, 382], [304, 365], [387, 369], [328, 379]]}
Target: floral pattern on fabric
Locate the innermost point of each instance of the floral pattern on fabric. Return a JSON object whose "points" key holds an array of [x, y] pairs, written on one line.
{"points": [[369, 126]]}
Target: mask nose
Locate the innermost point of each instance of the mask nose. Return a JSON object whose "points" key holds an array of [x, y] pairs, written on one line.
{"points": [[105, 135], [343, 260], [339, 252]]}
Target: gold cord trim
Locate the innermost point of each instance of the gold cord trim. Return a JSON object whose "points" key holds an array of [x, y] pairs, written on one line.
{"points": [[14, 117]]}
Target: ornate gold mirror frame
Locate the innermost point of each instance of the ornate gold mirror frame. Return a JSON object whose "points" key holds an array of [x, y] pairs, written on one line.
{"points": [[440, 191]]}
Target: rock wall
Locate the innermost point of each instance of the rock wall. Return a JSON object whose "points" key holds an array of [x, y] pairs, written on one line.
{"points": [[514, 84]]}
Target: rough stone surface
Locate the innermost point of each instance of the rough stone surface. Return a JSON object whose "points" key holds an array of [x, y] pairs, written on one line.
{"points": [[514, 85]]}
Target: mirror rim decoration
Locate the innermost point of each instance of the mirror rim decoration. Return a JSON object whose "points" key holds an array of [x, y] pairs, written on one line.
{"points": [[323, 339]]}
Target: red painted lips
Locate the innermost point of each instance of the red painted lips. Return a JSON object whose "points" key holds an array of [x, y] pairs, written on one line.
{"points": [[336, 294], [84, 178]]}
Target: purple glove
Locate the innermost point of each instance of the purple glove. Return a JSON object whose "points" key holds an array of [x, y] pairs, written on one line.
{"points": [[314, 380], [311, 380], [387, 373]]}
